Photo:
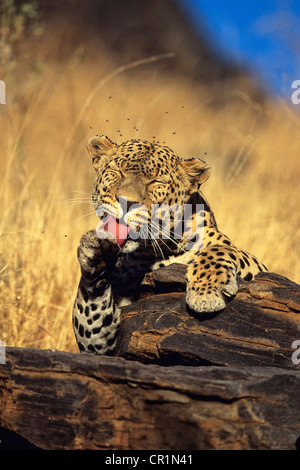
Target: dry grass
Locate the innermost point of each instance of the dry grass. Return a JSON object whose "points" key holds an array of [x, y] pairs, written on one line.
{"points": [[254, 187]]}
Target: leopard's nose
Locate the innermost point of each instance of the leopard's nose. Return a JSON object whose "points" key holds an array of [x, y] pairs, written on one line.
{"points": [[127, 204], [130, 204]]}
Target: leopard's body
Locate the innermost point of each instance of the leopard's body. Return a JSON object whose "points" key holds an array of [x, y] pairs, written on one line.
{"points": [[146, 175]]}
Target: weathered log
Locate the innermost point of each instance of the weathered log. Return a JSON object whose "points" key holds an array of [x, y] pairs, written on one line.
{"points": [[257, 328], [234, 381], [59, 400]]}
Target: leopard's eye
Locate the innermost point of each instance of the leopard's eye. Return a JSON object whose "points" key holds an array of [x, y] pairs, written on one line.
{"points": [[162, 180], [115, 173]]}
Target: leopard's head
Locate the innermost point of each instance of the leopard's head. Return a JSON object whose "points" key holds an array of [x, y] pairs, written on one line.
{"points": [[138, 182]]}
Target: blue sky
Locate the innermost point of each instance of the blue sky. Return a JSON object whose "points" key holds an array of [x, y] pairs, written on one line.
{"points": [[263, 34]]}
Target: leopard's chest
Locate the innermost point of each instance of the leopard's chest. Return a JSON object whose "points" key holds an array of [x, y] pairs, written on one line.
{"points": [[128, 275]]}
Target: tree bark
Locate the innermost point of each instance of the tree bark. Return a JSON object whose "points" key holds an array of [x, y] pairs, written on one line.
{"points": [[257, 328], [59, 400], [225, 381]]}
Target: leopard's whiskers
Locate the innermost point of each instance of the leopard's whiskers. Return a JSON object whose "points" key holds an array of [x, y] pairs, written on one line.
{"points": [[91, 212], [77, 201], [155, 245], [167, 234]]}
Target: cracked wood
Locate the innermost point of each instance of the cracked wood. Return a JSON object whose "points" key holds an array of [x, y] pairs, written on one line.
{"points": [[256, 328]]}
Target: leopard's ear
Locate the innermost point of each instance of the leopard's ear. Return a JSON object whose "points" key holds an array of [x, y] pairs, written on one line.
{"points": [[197, 171], [100, 147]]}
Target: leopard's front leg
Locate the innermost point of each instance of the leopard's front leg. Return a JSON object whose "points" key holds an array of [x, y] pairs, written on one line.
{"points": [[95, 316], [212, 276]]}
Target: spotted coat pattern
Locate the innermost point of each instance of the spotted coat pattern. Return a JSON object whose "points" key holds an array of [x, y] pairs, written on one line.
{"points": [[148, 175]]}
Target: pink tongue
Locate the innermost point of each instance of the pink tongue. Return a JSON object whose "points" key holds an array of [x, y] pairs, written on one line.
{"points": [[118, 231]]}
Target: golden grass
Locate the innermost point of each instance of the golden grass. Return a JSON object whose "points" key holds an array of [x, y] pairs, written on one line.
{"points": [[254, 187]]}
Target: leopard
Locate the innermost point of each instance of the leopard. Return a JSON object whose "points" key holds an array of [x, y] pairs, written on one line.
{"points": [[151, 213]]}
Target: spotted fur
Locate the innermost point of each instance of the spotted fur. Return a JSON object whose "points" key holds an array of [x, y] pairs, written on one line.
{"points": [[145, 173]]}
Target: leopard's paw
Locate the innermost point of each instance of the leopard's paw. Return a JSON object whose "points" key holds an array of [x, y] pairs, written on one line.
{"points": [[94, 253], [210, 292]]}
